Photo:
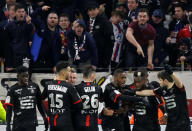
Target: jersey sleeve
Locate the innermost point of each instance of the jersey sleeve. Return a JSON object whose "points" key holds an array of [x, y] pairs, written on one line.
{"points": [[101, 95], [45, 92], [10, 98], [74, 95], [158, 92]]}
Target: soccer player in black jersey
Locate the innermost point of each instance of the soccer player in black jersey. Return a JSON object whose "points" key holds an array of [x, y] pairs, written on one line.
{"points": [[145, 117], [117, 120], [63, 99], [173, 92], [91, 94], [22, 99]]}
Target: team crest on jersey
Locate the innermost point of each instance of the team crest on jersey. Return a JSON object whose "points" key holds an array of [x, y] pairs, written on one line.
{"points": [[18, 91], [8, 99], [97, 27], [32, 89]]}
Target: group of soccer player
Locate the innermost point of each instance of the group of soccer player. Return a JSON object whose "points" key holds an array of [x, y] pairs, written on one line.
{"points": [[75, 107]]}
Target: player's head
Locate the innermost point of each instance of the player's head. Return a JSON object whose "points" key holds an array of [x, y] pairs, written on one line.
{"points": [[22, 75], [164, 78], [73, 76], [63, 70], [143, 16], [140, 77], [89, 72], [20, 12], [119, 77]]}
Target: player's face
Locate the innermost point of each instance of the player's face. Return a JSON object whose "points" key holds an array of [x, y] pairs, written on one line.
{"points": [[23, 78], [162, 83], [143, 18], [73, 78], [139, 82], [121, 79], [115, 19]]}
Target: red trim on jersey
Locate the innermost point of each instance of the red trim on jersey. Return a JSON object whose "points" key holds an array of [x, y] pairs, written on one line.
{"points": [[88, 121], [133, 87], [58, 82], [55, 120], [48, 119], [115, 100], [8, 104], [99, 121], [77, 101], [88, 83], [163, 102], [156, 94]]}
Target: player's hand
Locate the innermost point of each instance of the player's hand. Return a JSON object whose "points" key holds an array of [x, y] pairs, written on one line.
{"points": [[140, 51], [46, 8], [163, 119], [168, 69], [108, 112], [146, 101], [8, 128]]}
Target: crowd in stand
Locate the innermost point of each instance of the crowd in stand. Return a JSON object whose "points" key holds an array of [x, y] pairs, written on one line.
{"points": [[103, 33]]}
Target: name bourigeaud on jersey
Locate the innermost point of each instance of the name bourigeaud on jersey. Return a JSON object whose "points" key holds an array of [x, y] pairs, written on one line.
{"points": [[57, 88]]}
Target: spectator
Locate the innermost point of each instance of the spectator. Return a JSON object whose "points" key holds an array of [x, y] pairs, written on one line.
{"points": [[186, 31], [133, 9], [118, 30], [73, 76], [10, 17], [149, 4], [19, 36], [182, 54], [81, 45], [160, 41], [177, 23], [102, 31], [64, 24], [140, 46], [49, 53]]}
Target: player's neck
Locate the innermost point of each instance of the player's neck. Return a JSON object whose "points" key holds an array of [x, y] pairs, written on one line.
{"points": [[59, 78], [170, 85], [88, 80]]}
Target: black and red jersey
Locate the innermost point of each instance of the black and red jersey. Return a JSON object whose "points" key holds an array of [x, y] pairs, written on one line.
{"points": [[176, 105], [63, 99], [90, 94], [24, 100]]}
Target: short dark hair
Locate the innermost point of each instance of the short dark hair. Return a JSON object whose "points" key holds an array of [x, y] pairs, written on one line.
{"points": [[143, 10], [64, 15], [61, 65], [141, 72], [73, 70], [118, 71], [19, 6], [164, 75], [88, 70], [21, 69], [11, 5], [181, 5], [117, 13]]}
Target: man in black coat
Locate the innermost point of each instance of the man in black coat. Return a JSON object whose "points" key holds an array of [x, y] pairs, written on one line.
{"points": [[102, 31]]}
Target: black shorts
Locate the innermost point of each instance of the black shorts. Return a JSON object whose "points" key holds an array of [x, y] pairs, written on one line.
{"points": [[61, 128], [85, 128], [28, 128], [178, 128]]}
